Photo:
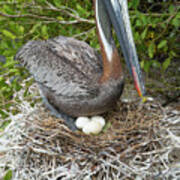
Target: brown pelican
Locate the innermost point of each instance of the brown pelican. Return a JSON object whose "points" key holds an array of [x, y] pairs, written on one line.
{"points": [[73, 78]]}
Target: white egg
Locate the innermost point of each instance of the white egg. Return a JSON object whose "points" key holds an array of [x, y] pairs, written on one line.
{"points": [[92, 128], [125, 100], [86, 129], [150, 98], [81, 122], [99, 119]]}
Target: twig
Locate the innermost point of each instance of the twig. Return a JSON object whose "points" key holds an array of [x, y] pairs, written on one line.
{"points": [[83, 33], [167, 22], [150, 14], [80, 20]]}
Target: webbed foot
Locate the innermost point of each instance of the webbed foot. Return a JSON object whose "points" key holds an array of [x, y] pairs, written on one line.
{"points": [[69, 121]]}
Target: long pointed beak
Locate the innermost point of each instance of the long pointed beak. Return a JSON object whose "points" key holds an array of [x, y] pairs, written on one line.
{"points": [[118, 13]]}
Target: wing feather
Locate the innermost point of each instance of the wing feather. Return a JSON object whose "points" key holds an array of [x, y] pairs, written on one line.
{"points": [[64, 65]]}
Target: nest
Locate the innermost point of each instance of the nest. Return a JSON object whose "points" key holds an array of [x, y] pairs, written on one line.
{"points": [[140, 141]]}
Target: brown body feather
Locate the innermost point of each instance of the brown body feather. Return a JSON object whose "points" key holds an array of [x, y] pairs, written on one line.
{"points": [[69, 74]]}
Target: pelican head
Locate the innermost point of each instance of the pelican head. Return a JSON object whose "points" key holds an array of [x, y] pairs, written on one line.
{"points": [[115, 13]]}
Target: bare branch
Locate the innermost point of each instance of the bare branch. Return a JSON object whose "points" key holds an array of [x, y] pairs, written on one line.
{"points": [[78, 20], [66, 10], [84, 33], [63, 9]]}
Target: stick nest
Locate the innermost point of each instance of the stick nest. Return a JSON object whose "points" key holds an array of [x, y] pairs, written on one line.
{"points": [[140, 141]]}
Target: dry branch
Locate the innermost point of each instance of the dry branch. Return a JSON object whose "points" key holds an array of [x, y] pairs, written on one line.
{"points": [[63, 9]]}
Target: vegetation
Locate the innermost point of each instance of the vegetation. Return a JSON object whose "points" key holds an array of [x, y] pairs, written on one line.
{"points": [[155, 26]]}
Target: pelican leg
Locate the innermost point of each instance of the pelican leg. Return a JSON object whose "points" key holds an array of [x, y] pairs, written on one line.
{"points": [[69, 121]]}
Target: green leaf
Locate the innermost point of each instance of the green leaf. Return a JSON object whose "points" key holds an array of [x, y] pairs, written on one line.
{"points": [[80, 9], [143, 35], [35, 27], [142, 64], [60, 18], [171, 8], [10, 64], [44, 31], [107, 126], [173, 54], [14, 70], [151, 50], [147, 65], [166, 63], [57, 3], [6, 8], [138, 23], [20, 29], [8, 34], [8, 175], [175, 22], [135, 3], [162, 44]]}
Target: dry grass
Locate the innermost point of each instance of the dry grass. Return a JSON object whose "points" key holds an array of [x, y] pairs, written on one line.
{"points": [[140, 141]]}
